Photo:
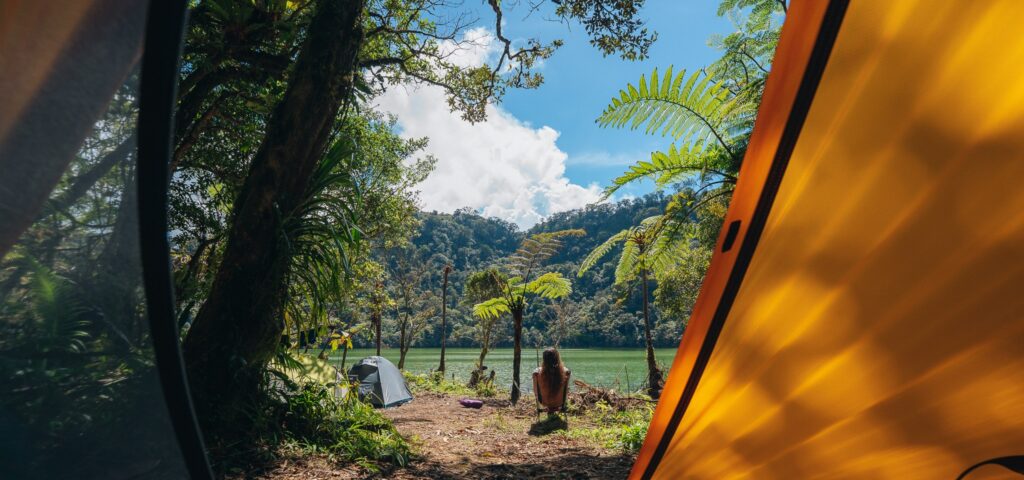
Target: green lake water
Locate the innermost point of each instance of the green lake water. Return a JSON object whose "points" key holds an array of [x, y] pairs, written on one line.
{"points": [[606, 367]]}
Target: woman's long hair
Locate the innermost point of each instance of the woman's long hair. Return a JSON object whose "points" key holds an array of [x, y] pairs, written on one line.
{"points": [[551, 370]]}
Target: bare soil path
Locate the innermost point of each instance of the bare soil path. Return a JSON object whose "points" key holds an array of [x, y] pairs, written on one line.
{"points": [[494, 442]]}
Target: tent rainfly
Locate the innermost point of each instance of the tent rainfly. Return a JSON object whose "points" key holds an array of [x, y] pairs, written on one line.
{"points": [[380, 382], [863, 315]]}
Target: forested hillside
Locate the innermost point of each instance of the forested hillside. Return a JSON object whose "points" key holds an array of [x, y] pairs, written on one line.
{"points": [[597, 313]]}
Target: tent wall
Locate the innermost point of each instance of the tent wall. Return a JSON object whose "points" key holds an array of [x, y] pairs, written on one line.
{"points": [[93, 381], [874, 327]]}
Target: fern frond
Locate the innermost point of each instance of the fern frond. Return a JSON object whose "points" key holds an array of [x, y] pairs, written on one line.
{"points": [[491, 309], [626, 270], [550, 285], [600, 251], [692, 109]]}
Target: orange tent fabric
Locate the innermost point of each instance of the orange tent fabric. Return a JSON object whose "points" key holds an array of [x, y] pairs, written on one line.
{"points": [[863, 316]]}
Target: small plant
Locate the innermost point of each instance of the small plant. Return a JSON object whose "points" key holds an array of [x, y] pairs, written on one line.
{"points": [[437, 383], [486, 389], [632, 436], [313, 420], [620, 429]]}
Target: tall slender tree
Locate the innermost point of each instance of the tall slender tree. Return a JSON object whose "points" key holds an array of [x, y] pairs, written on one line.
{"points": [[444, 314], [523, 281], [640, 258]]}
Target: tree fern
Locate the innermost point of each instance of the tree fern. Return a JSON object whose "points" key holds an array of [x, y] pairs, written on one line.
{"points": [[629, 261], [550, 285], [491, 309], [673, 166], [692, 110], [600, 251]]}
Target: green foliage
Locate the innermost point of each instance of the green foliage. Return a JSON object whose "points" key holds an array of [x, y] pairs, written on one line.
{"points": [[612, 25], [691, 110], [437, 383], [550, 285], [623, 429], [673, 166], [709, 115], [523, 280], [309, 417], [537, 249], [491, 308], [320, 236], [678, 288], [640, 252], [602, 314]]}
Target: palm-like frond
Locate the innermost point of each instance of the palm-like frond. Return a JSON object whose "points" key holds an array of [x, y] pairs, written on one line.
{"points": [[550, 285], [601, 250], [629, 261], [693, 110], [538, 248], [61, 313], [674, 166], [491, 309], [320, 236]]}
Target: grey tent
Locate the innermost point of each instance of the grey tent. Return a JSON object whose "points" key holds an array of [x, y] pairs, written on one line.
{"points": [[380, 382]]}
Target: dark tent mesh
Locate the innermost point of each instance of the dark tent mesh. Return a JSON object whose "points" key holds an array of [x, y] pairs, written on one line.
{"points": [[82, 395]]}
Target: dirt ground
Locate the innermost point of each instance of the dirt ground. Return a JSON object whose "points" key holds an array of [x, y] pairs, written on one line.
{"points": [[494, 442]]}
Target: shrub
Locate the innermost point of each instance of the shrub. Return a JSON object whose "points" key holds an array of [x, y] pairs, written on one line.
{"points": [[312, 419], [437, 383]]}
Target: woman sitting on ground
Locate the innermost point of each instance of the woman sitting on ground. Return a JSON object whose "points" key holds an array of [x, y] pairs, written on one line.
{"points": [[551, 381]]}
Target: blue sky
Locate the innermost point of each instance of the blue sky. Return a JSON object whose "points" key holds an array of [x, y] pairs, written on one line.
{"points": [[579, 82], [540, 151]]}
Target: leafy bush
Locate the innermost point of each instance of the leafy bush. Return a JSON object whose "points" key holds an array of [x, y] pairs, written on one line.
{"points": [[308, 416]]}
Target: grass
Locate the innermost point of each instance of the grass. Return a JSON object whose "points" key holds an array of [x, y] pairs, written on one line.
{"points": [[499, 422], [600, 424], [437, 383], [612, 428]]}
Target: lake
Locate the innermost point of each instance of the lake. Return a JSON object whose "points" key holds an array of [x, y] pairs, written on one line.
{"points": [[617, 368]]}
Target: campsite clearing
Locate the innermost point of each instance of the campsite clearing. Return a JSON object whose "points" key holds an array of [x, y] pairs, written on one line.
{"points": [[494, 442]]}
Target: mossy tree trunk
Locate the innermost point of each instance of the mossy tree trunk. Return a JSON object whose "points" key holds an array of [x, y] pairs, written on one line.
{"points": [[237, 329]]}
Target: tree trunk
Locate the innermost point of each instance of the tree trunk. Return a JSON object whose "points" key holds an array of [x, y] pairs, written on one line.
{"points": [[375, 319], [237, 329], [517, 350], [478, 375], [444, 314], [84, 182], [653, 374], [403, 342]]}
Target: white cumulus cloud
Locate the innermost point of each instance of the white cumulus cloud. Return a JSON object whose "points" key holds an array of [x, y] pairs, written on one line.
{"points": [[502, 167]]}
